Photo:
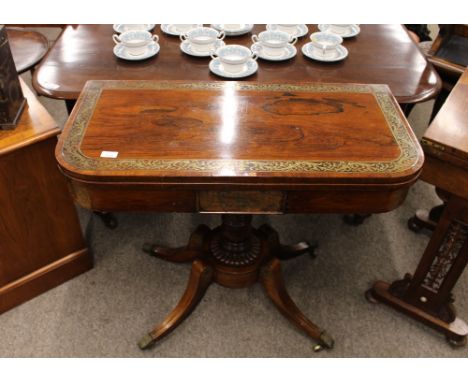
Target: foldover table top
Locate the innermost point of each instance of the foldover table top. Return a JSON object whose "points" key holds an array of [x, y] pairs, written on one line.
{"points": [[380, 54], [239, 133]]}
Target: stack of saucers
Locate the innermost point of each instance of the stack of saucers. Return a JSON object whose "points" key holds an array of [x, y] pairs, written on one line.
{"points": [[178, 29]]}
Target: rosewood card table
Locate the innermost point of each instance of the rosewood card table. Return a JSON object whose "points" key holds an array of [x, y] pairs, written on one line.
{"points": [[237, 149], [427, 296], [380, 54]]}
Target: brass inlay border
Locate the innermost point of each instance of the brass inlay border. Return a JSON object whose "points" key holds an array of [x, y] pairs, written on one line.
{"points": [[408, 158]]}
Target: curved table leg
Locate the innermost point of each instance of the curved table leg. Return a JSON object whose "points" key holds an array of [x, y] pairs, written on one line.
{"points": [[193, 250], [286, 252], [200, 279], [273, 284]]}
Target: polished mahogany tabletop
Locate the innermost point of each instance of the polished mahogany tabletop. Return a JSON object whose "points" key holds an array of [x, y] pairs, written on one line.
{"points": [[27, 47], [380, 54]]}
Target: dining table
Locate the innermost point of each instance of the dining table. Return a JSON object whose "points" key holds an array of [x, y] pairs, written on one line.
{"points": [[379, 54]]}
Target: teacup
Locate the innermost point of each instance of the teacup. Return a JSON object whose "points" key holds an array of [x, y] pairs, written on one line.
{"points": [[288, 28], [325, 43], [339, 28], [234, 57], [184, 28], [202, 39], [273, 42], [135, 42], [132, 27]]}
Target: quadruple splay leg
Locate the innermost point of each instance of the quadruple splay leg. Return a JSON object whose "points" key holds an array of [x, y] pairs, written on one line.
{"points": [[234, 255], [200, 279], [273, 282], [184, 254]]}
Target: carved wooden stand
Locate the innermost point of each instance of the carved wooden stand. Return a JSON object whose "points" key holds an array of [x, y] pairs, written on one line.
{"points": [[427, 296], [234, 255]]}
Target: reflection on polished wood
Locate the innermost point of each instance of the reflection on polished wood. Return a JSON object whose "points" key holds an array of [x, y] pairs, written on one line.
{"points": [[238, 149], [380, 54], [427, 296]]}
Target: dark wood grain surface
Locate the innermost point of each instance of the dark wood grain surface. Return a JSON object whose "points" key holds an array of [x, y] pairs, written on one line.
{"points": [[27, 47], [380, 54], [41, 244]]}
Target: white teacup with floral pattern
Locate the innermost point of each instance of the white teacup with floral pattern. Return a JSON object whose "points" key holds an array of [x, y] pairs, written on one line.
{"points": [[234, 57], [202, 39], [325, 43], [273, 42], [136, 42]]}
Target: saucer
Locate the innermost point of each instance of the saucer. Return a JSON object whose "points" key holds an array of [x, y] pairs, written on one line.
{"points": [[301, 29], [216, 67], [121, 51], [308, 51], [172, 29], [186, 47], [120, 28], [353, 32], [245, 28], [288, 52]]}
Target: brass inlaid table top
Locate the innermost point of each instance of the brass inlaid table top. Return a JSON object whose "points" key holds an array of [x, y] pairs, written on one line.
{"points": [[220, 131]]}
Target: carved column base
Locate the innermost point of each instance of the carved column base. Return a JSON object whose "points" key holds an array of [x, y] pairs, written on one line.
{"points": [[234, 255], [456, 332], [427, 296]]}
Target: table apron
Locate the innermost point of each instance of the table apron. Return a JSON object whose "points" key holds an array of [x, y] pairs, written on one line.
{"points": [[333, 199]]}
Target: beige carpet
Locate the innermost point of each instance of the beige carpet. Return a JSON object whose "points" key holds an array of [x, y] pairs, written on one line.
{"points": [[104, 312]]}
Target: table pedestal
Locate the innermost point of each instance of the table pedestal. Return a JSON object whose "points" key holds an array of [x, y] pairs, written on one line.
{"points": [[234, 255], [427, 296]]}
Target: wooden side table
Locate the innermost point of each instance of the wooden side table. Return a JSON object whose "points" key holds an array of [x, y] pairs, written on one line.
{"points": [[237, 149], [427, 296], [41, 244], [27, 47]]}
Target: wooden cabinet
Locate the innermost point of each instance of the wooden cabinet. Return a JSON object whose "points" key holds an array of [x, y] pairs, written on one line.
{"points": [[41, 243]]}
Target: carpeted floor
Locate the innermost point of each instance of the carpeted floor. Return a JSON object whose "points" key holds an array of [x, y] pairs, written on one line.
{"points": [[104, 312]]}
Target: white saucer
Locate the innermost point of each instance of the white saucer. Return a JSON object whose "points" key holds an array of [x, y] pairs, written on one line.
{"points": [[289, 52], [308, 51], [172, 29], [186, 47], [245, 28], [216, 67], [121, 51], [353, 32], [301, 29], [120, 28]]}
